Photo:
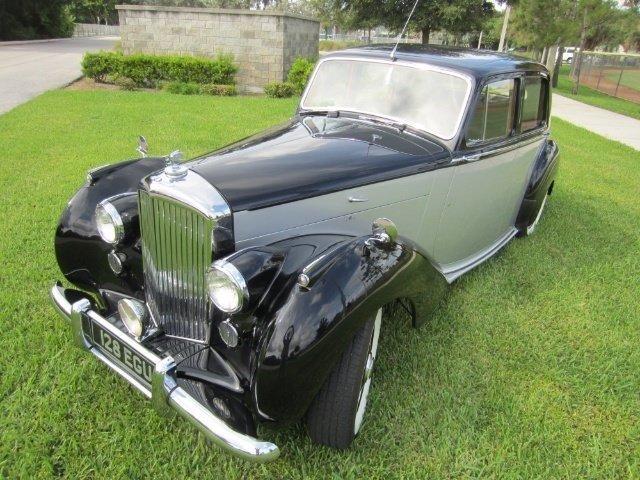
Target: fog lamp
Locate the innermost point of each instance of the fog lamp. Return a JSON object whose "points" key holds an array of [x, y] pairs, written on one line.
{"points": [[226, 286], [109, 223], [134, 315]]}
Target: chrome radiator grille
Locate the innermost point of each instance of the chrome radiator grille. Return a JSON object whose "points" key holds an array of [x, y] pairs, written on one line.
{"points": [[176, 252]]}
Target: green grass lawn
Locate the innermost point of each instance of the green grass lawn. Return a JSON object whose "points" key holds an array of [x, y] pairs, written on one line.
{"points": [[594, 97], [630, 78], [530, 370]]}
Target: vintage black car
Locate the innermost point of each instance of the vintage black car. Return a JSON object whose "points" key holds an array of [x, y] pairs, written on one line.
{"points": [[248, 285]]}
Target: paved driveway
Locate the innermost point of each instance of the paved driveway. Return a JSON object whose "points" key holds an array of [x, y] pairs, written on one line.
{"points": [[29, 69]]}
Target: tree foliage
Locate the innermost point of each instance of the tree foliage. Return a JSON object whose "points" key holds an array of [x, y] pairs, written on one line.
{"points": [[457, 16], [541, 23], [30, 19]]}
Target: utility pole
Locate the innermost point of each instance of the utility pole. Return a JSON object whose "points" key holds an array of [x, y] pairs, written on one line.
{"points": [[480, 39], [503, 34]]}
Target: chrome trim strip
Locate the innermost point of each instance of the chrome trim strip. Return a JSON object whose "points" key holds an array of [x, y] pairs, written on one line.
{"points": [[474, 157], [452, 273], [420, 66], [191, 190], [165, 391]]}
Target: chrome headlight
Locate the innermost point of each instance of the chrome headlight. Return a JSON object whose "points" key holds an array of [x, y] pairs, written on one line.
{"points": [[109, 223], [226, 286]]}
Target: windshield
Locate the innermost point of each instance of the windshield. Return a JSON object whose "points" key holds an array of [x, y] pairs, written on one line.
{"points": [[428, 100]]}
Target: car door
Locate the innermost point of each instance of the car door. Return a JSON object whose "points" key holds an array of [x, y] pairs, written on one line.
{"points": [[488, 182]]}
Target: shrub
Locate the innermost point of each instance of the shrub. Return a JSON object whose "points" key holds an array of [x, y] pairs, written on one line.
{"points": [[330, 45], [299, 73], [126, 83], [144, 70], [152, 70], [102, 64], [183, 88], [279, 89], [221, 90]]}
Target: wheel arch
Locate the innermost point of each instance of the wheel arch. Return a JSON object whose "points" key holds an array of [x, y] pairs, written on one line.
{"points": [[541, 182], [306, 329]]}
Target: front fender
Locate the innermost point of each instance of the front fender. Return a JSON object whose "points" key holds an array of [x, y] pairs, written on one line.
{"points": [[81, 254], [307, 329]]}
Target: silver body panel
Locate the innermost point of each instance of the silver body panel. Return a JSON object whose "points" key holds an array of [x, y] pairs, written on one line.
{"points": [[457, 216]]}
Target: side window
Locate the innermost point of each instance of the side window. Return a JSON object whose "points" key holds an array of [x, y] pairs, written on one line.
{"points": [[533, 103], [493, 113]]}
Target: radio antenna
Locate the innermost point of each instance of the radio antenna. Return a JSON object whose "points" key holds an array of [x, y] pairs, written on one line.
{"points": [[393, 52]]}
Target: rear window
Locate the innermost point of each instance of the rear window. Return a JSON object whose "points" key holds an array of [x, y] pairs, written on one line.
{"points": [[533, 103], [493, 113]]}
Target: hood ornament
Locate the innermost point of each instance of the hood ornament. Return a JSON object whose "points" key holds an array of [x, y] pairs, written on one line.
{"points": [[173, 168], [143, 148]]}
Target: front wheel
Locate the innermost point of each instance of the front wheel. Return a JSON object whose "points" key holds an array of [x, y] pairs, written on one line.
{"points": [[337, 412]]}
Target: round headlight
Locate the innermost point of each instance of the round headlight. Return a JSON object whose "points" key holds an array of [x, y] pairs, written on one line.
{"points": [[109, 223], [134, 316], [226, 286]]}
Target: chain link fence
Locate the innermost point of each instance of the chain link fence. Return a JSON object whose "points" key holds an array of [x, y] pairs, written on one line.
{"points": [[617, 75]]}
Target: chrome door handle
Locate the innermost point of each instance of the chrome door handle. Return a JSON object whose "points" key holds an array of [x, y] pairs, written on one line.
{"points": [[357, 200], [467, 158]]}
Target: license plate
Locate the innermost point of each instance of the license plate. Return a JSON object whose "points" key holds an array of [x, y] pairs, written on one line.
{"points": [[126, 357]]}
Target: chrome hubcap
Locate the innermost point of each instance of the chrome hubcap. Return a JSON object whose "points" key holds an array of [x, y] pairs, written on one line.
{"points": [[368, 371]]}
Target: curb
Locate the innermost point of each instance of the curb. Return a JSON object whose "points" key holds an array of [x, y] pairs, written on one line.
{"points": [[26, 42]]}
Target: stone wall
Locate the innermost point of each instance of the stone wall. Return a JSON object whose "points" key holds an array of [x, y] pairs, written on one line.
{"points": [[95, 30], [263, 43]]}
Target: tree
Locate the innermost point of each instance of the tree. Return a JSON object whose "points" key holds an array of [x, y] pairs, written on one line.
{"points": [[29, 19], [328, 12], [455, 16], [94, 11]]}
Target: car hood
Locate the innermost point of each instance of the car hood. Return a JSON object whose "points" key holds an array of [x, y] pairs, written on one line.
{"points": [[311, 156]]}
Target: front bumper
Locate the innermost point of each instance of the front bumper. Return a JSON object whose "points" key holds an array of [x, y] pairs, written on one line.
{"points": [[165, 391]]}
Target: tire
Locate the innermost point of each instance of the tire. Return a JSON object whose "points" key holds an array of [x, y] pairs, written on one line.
{"points": [[335, 416], [531, 228]]}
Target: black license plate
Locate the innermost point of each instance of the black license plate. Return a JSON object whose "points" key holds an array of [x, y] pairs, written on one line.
{"points": [[126, 357]]}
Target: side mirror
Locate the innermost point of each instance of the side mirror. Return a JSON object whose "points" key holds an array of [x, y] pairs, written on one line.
{"points": [[384, 232]]}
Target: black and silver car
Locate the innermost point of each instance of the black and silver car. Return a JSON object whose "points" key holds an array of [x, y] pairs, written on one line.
{"points": [[248, 285]]}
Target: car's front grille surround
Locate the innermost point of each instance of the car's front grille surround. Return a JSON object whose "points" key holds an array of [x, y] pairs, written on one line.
{"points": [[177, 249]]}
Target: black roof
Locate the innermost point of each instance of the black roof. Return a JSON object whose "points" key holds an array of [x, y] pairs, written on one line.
{"points": [[477, 63]]}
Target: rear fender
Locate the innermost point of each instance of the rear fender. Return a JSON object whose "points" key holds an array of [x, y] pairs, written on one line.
{"points": [[540, 184]]}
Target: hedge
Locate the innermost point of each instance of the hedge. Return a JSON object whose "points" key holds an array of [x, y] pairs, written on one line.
{"points": [[151, 70], [189, 88], [279, 89]]}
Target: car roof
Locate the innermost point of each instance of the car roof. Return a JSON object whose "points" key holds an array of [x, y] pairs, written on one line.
{"points": [[476, 63]]}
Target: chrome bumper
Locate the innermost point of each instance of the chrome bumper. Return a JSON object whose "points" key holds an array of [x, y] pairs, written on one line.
{"points": [[164, 392]]}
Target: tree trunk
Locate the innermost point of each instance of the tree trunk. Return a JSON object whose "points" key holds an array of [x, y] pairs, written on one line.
{"points": [[503, 34], [425, 35], [551, 57], [545, 51], [578, 58], [369, 35], [480, 40], [556, 68]]}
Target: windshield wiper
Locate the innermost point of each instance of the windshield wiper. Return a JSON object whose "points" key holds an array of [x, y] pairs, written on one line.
{"points": [[328, 113], [401, 127]]}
